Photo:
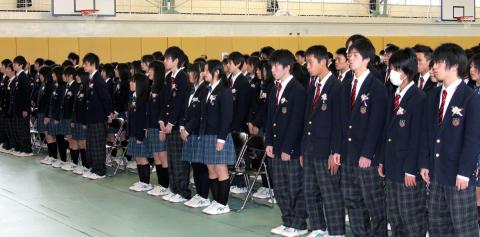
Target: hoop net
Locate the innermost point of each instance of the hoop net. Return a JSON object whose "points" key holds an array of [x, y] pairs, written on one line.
{"points": [[465, 20], [90, 15]]}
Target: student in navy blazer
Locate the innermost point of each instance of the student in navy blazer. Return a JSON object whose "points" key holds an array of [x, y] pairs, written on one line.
{"points": [[322, 181], [399, 159], [21, 108], [361, 121], [423, 79], [283, 136], [453, 143], [342, 66]]}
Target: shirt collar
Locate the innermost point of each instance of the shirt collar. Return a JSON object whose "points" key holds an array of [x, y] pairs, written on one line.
{"points": [[345, 74], [425, 76], [174, 75], [214, 85], [286, 81], [404, 91], [324, 80], [18, 73], [362, 77], [92, 74], [451, 89], [70, 83], [108, 79], [234, 77]]}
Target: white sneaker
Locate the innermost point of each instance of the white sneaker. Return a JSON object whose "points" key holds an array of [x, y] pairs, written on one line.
{"points": [[24, 154], [201, 202], [159, 191], [279, 230], [192, 180], [134, 185], [347, 220], [94, 176], [14, 152], [213, 204], [292, 232], [154, 169], [58, 164], [69, 166], [318, 233], [262, 193], [47, 160], [132, 165], [237, 190], [87, 173], [218, 209], [141, 187], [192, 200], [177, 198], [168, 196], [79, 170], [272, 200]]}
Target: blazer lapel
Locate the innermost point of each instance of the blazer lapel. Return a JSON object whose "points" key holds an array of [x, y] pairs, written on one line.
{"points": [[284, 95], [403, 104], [358, 101], [456, 100], [325, 90]]}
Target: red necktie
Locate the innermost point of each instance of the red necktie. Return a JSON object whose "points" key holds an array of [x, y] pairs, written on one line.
{"points": [[317, 95], [354, 93], [396, 105], [172, 80], [422, 83], [279, 88], [442, 107], [340, 77], [312, 80]]}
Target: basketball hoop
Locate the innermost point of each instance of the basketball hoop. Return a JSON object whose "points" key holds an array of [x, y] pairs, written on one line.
{"points": [[465, 20], [90, 15]]}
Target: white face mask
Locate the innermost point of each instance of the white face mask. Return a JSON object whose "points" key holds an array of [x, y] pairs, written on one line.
{"points": [[395, 78]]}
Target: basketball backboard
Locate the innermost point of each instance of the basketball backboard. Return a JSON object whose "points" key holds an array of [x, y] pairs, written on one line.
{"points": [[74, 7], [452, 9]]}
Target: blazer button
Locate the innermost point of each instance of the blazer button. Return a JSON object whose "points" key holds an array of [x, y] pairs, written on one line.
{"points": [[437, 155], [349, 139], [350, 126], [309, 122], [309, 133], [389, 140], [275, 135], [438, 140], [168, 106], [167, 113], [274, 124]]}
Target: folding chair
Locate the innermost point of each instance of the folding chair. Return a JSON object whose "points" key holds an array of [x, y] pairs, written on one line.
{"points": [[239, 141], [38, 144], [117, 161]]}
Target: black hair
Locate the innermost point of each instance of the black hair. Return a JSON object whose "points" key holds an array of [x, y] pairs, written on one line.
{"points": [[354, 38], [427, 51], [82, 74], [196, 69], [298, 72], [147, 58], [70, 71], [330, 55], [452, 55], [58, 71], [391, 48], [200, 60], [283, 57], [39, 61], [246, 57], [137, 67], [46, 72], [49, 62], [142, 89], [92, 59], [300, 53], [267, 50], [10, 65], [175, 52], [157, 55], [319, 52], [475, 60], [224, 61], [265, 65], [123, 72], [158, 76], [382, 52], [5, 62], [255, 54], [20, 60], [215, 66], [364, 48], [405, 60], [237, 59], [73, 56], [342, 51], [67, 63], [109, 70]]}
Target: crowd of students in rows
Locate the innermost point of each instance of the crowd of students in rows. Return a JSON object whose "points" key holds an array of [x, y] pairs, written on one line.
{"points": [[397, 137]]}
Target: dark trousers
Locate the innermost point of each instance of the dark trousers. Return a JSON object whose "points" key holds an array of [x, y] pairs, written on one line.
{"points": [[179, 170], [96, 151], [406, 209], [288, 181], [452, 212], [323, 196], [364, 197]]}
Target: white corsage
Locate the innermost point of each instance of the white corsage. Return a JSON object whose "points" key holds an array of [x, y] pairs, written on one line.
{"points": [[174, 86], [283, 100], [364, 98], [154, 95], [253, 86], [457, 111], [195, 99], [324, 98], [69, 93], [234, 91], [400, 111], [91, 85], [263, 95], [212, 99]]}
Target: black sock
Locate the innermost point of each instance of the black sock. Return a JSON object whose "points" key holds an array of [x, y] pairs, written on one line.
{"points": [[83, 155], [146, 172], [200, 176], [129, 158], [140, 173], [160, 171], [52, 151], [165, 178], [223, 191], [214, 189], [74, 156], [62, 149]]}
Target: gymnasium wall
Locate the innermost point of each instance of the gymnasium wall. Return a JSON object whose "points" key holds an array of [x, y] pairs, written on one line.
{"points": [[122, 49]]}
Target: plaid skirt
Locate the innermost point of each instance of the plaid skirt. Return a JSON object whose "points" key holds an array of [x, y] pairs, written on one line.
{"points": [[209, 153], [41, 127], [78, 133], [191, 150], [52, 128], [64, 127], [137, 150], [153, 141]]}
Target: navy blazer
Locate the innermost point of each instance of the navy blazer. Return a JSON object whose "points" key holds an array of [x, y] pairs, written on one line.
{"points": [[428, 84], [176, 99], [242, 97], [3, 92], [66, 107], [403, 133], [284, 126], [259, 115], [217, 113], [320, 121], [137, 118], [79, 113], [21, 98], [361, 129], [56, 102], [191, 121], [43, 98], [111, 84], [348, 76], [121, 96], [9, 97], [99, 102], [454, 145]]}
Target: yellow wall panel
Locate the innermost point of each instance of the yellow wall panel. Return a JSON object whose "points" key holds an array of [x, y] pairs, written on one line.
{"points": [[99, 46], [32, 48], [59, 48], [378, 42], [290, 42], [8, 48], [305, 42], [152, 44], [244, 44], [216, 45], [194, 47], [267, 41], [174, 41], [126, 49]]}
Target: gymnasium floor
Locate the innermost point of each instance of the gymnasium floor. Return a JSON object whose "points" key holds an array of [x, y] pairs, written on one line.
{"points": [[43, 201]]}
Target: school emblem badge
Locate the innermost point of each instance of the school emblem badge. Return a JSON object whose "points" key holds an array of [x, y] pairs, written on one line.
{"points": [[456, 122], [402, 123], [324, 107], [363, 109], [284, 110]]}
